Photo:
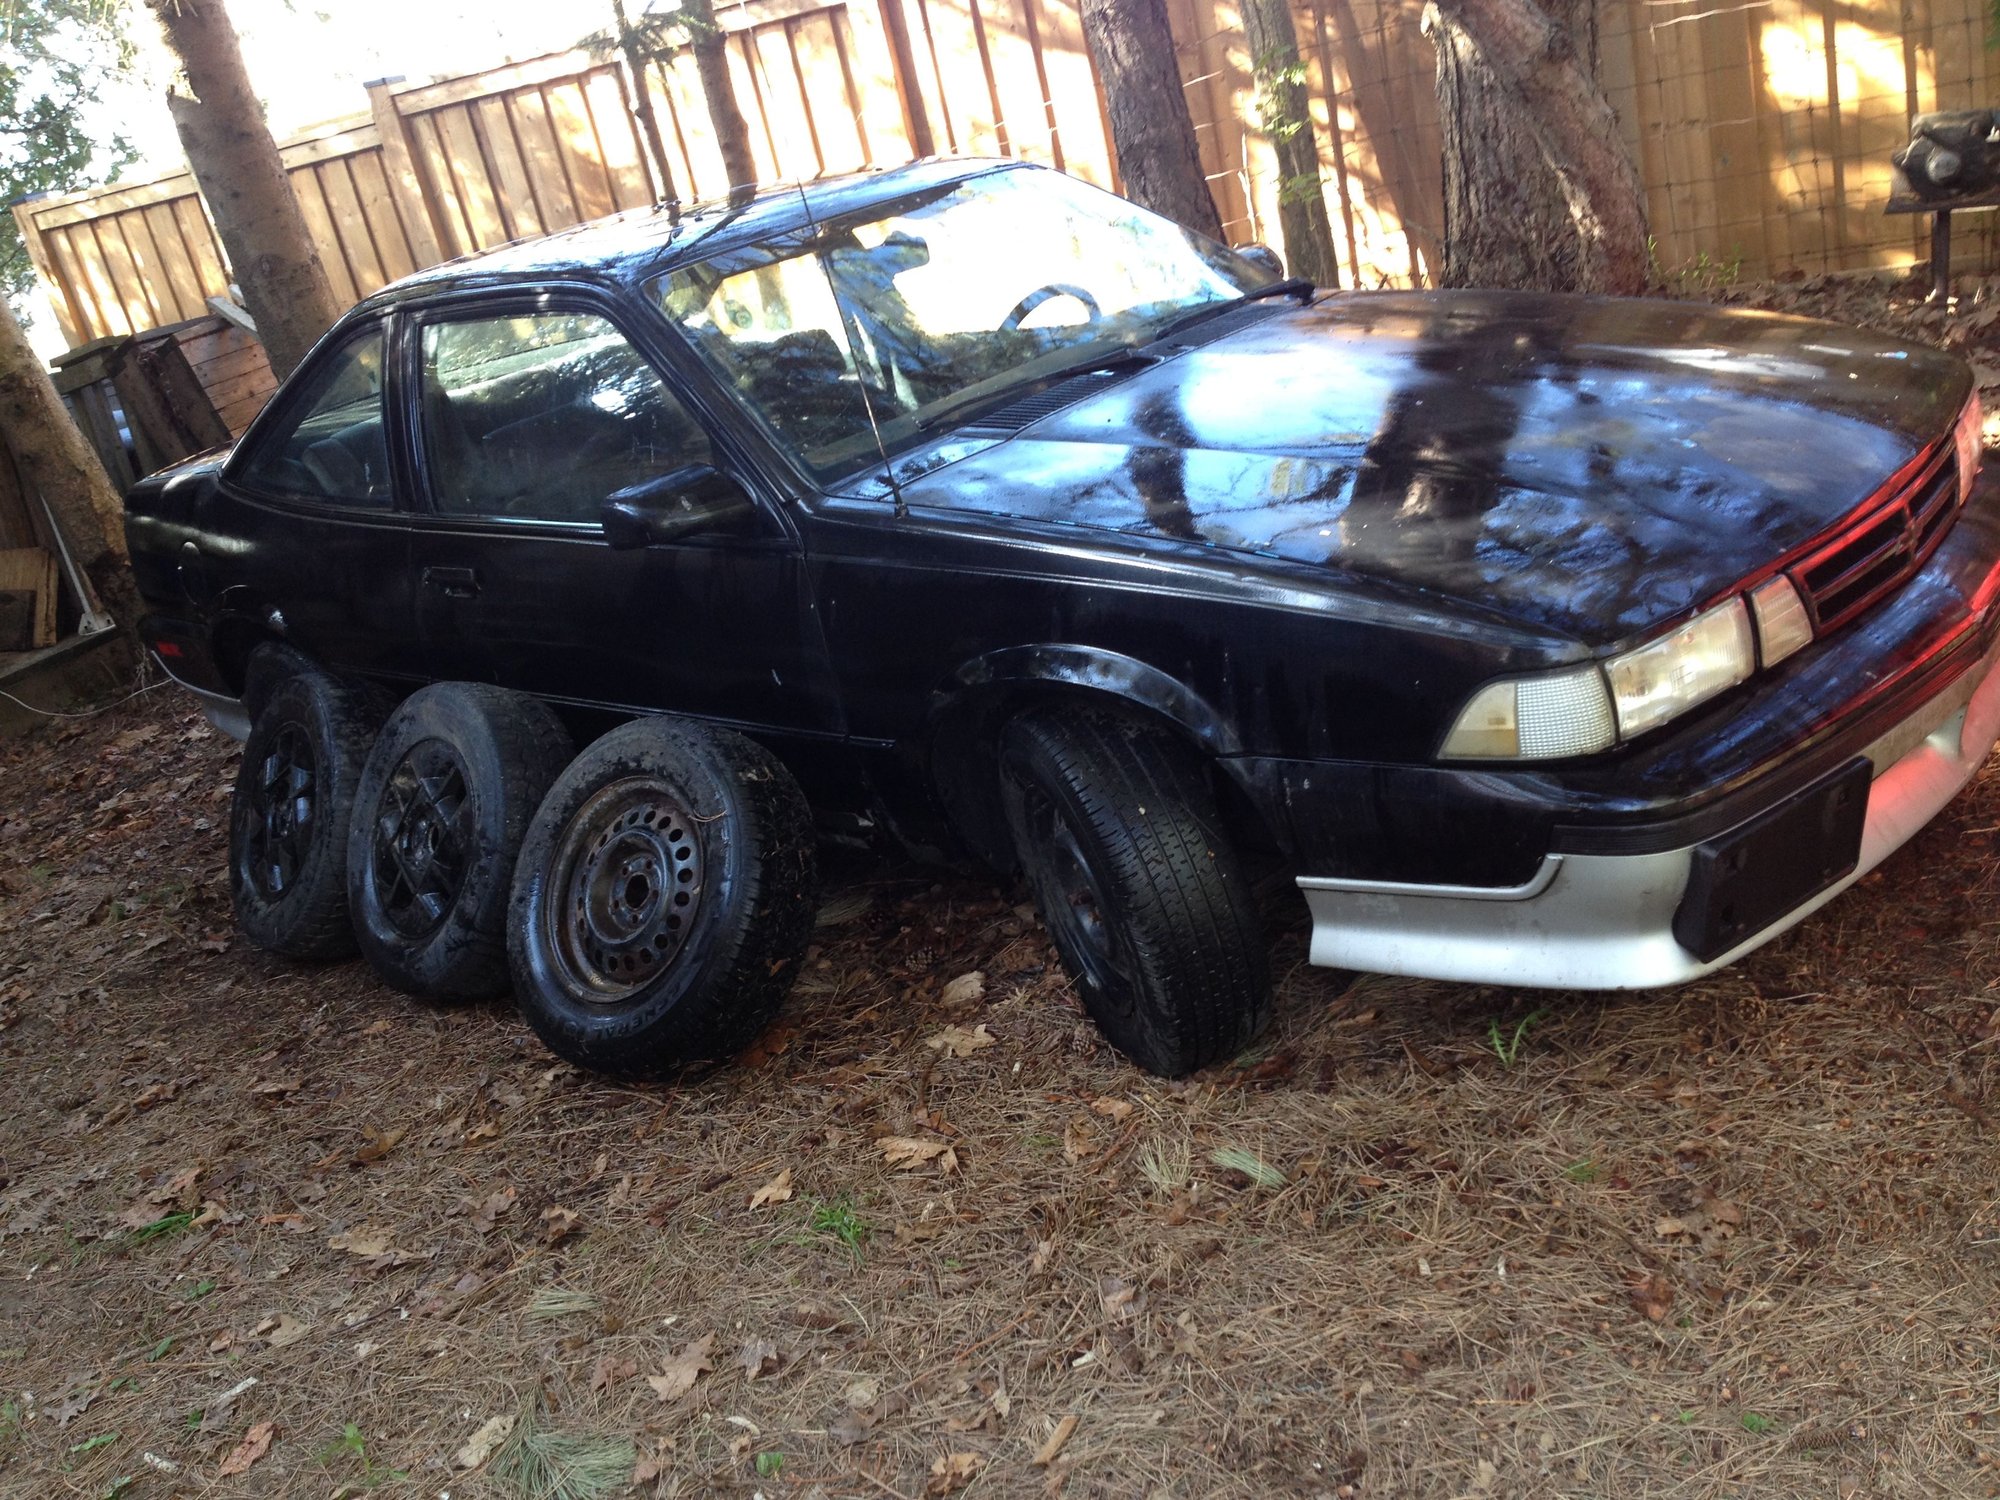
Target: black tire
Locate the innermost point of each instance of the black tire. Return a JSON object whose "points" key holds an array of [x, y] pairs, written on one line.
{"points": [[444, 802], [663, 900], [288, 819], [1136, 879]]}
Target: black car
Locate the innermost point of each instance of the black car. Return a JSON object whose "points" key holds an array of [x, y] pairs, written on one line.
{"points": [[1545, 641]]}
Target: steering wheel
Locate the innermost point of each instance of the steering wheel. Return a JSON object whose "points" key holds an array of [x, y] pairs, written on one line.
{"points": [[1043, 294]]}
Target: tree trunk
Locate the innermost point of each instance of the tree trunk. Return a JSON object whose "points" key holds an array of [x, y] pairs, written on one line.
{"points": [[639, 65], [1287, 116], [711, 63], [236, 165], [1539, 190], [1158, 158], [55, 462]]}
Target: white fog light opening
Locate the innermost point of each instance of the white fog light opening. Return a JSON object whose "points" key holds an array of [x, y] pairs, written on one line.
{"points": [[1665, 678], [1969, 436], [1783, 625], [1535, 718]]}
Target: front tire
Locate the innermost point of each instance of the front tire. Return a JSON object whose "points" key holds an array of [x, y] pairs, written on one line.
{"points": [[663, 899], [1138, 883], [444, 802], [288, 817]]}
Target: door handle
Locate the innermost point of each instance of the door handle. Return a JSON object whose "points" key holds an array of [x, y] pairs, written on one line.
{"points": [[453, 583]]}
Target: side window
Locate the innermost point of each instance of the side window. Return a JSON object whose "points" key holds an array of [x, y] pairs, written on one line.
{"points": [[544, 415], [334, 449]]}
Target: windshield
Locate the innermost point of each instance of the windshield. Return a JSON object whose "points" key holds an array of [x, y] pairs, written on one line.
{"points": [[946, 298]]}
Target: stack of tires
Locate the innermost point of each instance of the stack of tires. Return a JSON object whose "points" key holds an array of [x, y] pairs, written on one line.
{"points": [[647, 900]]}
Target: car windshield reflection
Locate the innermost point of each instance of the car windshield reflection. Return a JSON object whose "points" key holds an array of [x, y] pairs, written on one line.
{"points": [[950, 301]]}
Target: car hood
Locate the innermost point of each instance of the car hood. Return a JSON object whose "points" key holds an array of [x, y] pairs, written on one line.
{"points": [[1588, 466]]}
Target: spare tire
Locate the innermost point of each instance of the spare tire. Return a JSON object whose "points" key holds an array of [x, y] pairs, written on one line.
{"points": [[288, 819], [663, 899], [444, 802]]}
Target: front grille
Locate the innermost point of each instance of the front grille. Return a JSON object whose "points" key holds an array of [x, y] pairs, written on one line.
{"points": [[1882, 544]]}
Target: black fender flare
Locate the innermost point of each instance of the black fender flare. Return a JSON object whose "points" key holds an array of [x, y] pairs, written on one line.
{"points": [[968, 708]]}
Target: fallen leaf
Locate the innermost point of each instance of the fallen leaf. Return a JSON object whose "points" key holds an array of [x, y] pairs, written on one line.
{"points": [[759, 1357], [1114, 1109], [496, 1206], [559, 1223], [376, 1144], [1651, 1294], [376, 1028], [861, 1393], [906, 1153], [1119, 1298], [1065, 1430], [684, 1369], [364, 1242], [610, 1370], [277, 1086], [68, 1410], [479, 1447], [256, 1443], [777, 1190], [965, 989], [281, 1331], [953, 1472], [956, 1041]]}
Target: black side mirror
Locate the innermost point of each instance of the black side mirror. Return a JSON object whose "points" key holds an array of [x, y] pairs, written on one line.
{"points": [[688, 501], [1263, 257]]}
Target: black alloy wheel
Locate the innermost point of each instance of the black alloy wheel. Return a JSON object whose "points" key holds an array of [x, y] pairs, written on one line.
{"points": [[423, 839]]}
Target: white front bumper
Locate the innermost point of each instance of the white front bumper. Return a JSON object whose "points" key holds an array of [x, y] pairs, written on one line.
{"points": [[1605, 921]]}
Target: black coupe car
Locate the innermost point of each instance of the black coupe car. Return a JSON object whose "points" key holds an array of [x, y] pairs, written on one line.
{"points": [[1545, 641]]}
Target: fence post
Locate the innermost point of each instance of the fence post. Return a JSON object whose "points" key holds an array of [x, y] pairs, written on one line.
{"points": [[44, 264], [429, 230]]}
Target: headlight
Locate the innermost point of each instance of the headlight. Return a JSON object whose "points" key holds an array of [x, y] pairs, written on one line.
{"points": [[1581, 710], [1970, 438], [1665, 678]]}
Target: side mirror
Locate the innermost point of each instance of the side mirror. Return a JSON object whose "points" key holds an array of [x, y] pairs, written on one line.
{"points": [[1263, 257], [688, 501]]}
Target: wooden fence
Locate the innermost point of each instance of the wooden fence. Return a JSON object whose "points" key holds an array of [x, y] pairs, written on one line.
{"points": [[1762, 129]]}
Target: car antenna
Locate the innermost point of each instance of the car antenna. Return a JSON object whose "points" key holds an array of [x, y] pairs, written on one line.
{"points": [[849, 326]]}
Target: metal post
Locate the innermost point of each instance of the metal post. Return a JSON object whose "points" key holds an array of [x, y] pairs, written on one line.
{"points": [[1941, 257]]}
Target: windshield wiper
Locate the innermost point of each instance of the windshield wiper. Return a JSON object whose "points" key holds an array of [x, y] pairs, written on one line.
{"points": [[1290, 286], [1117, 358]]}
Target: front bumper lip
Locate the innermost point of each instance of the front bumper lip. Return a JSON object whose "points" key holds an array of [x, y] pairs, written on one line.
{"points": [[1605, 921]]}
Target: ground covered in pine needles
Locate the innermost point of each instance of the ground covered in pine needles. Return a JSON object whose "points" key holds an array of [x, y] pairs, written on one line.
{"points": [[267, 1230]]}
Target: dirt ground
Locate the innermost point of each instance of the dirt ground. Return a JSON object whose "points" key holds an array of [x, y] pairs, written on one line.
{"points": [[269, 1230]]}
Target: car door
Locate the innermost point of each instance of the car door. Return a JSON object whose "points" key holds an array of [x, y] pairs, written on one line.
{"points": [[529, 414], [316, 547]]}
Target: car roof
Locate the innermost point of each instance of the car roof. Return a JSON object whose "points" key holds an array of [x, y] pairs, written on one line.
{"points": [[642, 242]]}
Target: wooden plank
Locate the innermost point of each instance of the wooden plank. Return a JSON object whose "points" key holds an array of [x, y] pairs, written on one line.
{"points": [[204, 247], [793, 145], [383, 214], [1073, 95], [60, 298], [494, 122], [551, 68], [576, 138], [32, 570], [326, 239], [618, 142], [80, 208], [542, 160], [471, 179], [122, 275], [74, 251], [424, 229]]}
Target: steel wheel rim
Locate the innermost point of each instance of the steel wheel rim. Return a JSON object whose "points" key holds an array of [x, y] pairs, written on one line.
{"points": [[423, 839], [284, 799], [1073, 902], [625, 886]]}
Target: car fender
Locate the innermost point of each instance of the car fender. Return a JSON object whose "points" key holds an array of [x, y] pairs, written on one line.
{"points": [[968, 709]]}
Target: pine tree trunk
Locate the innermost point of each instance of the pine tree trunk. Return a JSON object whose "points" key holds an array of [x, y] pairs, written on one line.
{"points": [[1287, 113], [711, 63], [1539, 190], [55, 461], [1133, 50], [637, 63], [236, 165]]}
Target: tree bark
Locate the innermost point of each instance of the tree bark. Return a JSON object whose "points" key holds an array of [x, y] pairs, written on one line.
{"points": [[1539, 190], [236, 165], [711, 62], [56, 463], [1132, 48], [1287, 115]]}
